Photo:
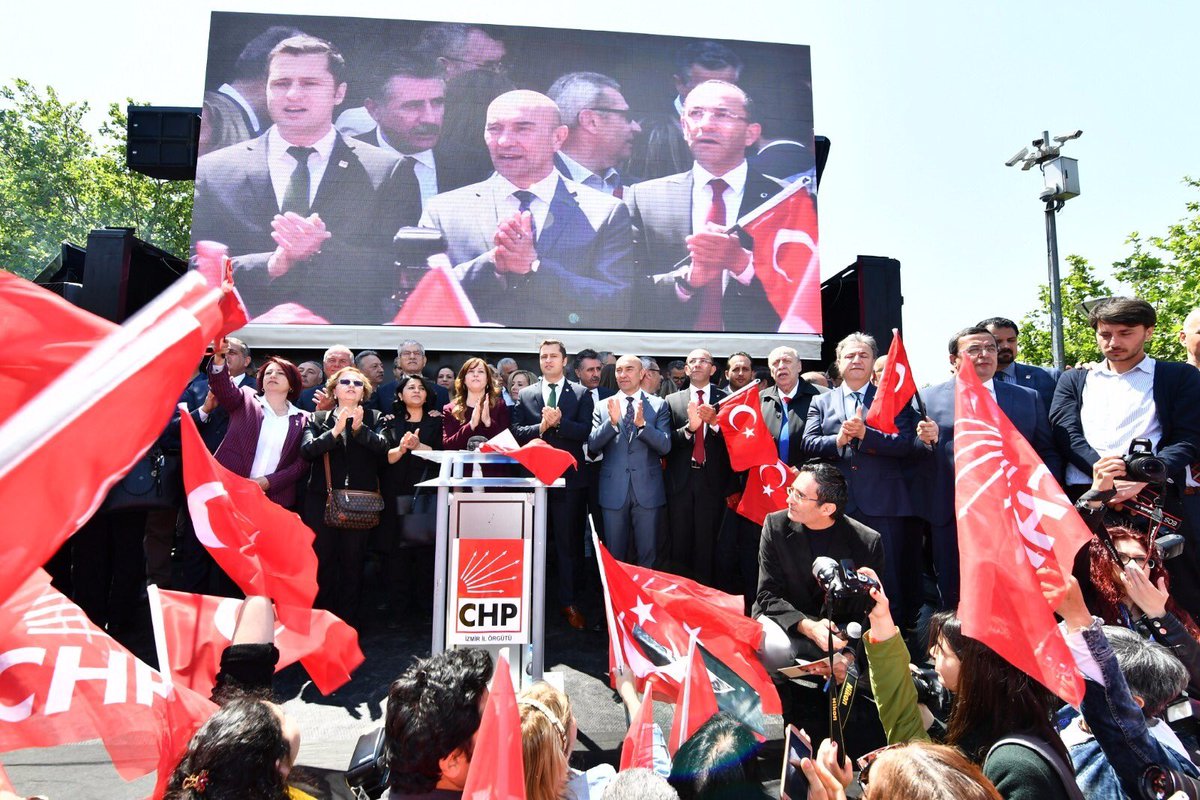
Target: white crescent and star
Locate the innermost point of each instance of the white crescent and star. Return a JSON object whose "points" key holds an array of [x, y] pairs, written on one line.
{"points": [[643, 611], [197, 501], [768, 489], [748, 431]]}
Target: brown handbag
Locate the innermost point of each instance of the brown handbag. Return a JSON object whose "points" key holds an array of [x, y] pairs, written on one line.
{"points": [[351, 509]]}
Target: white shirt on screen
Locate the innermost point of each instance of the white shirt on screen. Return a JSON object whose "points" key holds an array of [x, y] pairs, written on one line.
{"points": [[1115, 409], [606, 183], [543, 192], [282, 164], [702, 198], [425, 169]]}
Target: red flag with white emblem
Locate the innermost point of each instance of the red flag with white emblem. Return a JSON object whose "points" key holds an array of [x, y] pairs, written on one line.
{"points": [[1016, 532], [766, 490], [192, 630], [498, 770], [266, 549], [746, 435], [896, 388], [67, 681], [786, 257]]}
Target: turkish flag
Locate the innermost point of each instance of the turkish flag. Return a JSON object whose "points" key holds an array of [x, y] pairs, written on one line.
{"points": [[696, 704], [637, 748], [438, 300], [786, 257], [261, 545], [498, 770], [67, 681], [896, 388], [1016, 531], [546, 462], [84, 398], [746, 436], [192, 630], [766, 490], [651, 618]]}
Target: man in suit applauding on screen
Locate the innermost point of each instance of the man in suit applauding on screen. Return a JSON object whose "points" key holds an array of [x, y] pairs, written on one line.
{"points": [[685, 216], [529, 245], [307, 215]]}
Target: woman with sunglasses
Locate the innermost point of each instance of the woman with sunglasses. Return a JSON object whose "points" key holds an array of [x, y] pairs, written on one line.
{"points": [[349, 437]]}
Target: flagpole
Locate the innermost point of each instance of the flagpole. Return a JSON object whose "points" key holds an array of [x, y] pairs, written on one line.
{"points": [[160, 633], [613, 634]]}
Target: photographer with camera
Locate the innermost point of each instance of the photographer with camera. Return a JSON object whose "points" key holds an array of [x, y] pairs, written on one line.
{"points": [[803, 621]]}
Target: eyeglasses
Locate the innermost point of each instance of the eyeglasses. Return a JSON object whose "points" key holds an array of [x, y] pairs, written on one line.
{"points": [[718, 114], [625, 113], [865, 762], [795, 494], [1141, 561], [350, 382], [490, 66], [977, 350]]}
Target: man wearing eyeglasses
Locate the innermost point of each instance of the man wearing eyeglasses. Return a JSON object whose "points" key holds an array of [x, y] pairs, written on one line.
{"points": [[703, 277], [600, 130], [932, 481], [698, 473], [461, 48]]}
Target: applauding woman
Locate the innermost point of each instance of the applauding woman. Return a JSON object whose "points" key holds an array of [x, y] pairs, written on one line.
{"points": [[346, 447], [475, 408]]}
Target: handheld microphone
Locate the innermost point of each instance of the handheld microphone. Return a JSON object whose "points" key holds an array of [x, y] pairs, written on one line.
{"points": [[474, 442]]}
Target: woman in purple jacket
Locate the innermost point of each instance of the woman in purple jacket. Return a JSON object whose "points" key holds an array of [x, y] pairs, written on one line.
{"points": [[265, 428]]}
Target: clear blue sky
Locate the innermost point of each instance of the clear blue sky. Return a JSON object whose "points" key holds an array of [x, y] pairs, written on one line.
{"points": [[923, 102]]}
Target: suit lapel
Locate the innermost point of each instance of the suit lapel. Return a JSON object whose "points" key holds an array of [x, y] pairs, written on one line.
{"points": [[759, 189], [258, 199], [564, 212], [342, 160]]}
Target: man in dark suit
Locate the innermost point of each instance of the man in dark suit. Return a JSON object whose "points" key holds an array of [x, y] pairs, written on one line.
{"points": [[874, 465], [686, 217], [587, 375], [410, 360], [698, 473], [932, 480], [528, 245], [1041, 379], [307, 215], [633, 431], [787, 400], [408, 104], [560, 413]]}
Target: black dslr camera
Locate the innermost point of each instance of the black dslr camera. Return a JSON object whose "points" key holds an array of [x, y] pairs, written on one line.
{"points": [[367, 775], [1142, 465], [841, 581], [1158, 784]]}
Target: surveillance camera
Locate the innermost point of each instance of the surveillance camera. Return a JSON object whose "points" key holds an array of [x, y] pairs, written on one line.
{"points": [[1039, 142], [1012, 162], [1066, 137]]}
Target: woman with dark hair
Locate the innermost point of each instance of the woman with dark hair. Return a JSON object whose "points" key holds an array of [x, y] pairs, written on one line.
{"points": [[265, 428], [608, 377], [993, 700], [346, 447], [719, 760], [243, 752], [475, 408]]}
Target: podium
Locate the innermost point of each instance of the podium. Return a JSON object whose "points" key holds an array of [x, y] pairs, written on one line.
{"points": [[489, 583]]}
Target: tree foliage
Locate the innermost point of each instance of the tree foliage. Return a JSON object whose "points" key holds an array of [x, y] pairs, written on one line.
{"points": [[58, 181], [1162, 270]]}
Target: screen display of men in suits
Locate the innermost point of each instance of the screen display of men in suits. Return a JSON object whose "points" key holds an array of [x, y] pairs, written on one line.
{"points": [[564, 179]]}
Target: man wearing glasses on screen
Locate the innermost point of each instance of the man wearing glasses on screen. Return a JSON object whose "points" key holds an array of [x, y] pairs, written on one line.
{"points": [[703, 277], [599, 130]]}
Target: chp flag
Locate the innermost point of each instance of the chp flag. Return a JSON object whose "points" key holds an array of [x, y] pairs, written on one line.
{"points": [[86, 398], [1016, 533], [647, 632], [896, 388], [746, 436]]}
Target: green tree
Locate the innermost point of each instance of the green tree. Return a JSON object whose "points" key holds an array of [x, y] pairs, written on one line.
{"points": [[58, 181], [1079, 341]]}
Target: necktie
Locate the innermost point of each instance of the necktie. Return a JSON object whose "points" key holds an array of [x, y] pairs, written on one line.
{"points": [[525, 198], [858, 398], [783, 431], [698, 437], [553, 401], [708, 317], [295, 197], [628, 421]]}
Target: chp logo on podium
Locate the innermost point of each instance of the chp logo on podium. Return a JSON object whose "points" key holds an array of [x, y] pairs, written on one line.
{"points": [[490, 592]]}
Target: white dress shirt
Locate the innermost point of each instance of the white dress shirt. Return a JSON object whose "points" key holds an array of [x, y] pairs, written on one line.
{"points": [[702, 199], [543, 193], [561, 383], [708, 401], [607, 183], [1115, 409], [271, 438], [282, 164], [425, 169]]}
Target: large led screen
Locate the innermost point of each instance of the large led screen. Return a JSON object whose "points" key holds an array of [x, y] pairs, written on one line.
{"points": [[393, 172]]}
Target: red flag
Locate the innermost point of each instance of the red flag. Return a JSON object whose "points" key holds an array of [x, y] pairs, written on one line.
{"points": [[5, 783], [438, 300], [766, 490], [637, 748], [546, 462], [786, 257], [749, 443], [66, 681], [192, 630], [497, 771], [896, 388], [1016, 531], [93, 419], [261, 545], [697, 703], [651, 618]]}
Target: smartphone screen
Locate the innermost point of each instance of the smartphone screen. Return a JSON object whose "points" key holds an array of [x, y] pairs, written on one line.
{"points": [[792, 780]]}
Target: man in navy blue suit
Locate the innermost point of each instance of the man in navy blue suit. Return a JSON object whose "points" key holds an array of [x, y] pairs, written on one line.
{"points": [[560, 413], [1041, 379], [633, 432], [873, 463], [932, 485]]}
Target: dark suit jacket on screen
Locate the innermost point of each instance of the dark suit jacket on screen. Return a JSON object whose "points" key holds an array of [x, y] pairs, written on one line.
{"points": [[362, 200]]}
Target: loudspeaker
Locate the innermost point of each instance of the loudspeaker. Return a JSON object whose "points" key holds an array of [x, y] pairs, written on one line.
{"points": [[122, 273], [866, 297], [162, 141]]}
